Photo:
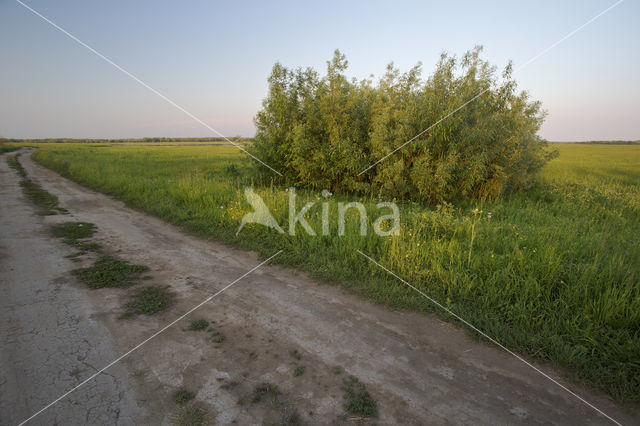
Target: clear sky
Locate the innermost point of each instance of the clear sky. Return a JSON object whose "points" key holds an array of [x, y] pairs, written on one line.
{"points": [[213, 59]]}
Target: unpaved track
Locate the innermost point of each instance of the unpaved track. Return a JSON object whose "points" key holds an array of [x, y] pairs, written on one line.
{"points": [[48, 338], [421, 370]]}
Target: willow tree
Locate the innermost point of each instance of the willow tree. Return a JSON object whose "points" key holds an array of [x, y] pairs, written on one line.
{"points": [[322, 132]]}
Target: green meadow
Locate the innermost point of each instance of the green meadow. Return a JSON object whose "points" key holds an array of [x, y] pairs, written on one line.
{"points": [[551, 273]]}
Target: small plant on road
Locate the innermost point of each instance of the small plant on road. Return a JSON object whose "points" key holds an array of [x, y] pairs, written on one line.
{"points": [[299, 371], [217, 337], [358, 400], [47, 202], [190, 416], [109, 272], [149, 300], [294, 353], [73, 232], [265, 390], [198, 325], [182, 395], [290, 417]]}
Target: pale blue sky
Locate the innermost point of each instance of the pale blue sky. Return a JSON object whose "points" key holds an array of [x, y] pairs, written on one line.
{"points": [[213, 58]]}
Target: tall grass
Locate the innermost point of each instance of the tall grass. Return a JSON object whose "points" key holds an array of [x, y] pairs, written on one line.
{"points": [[551, 273]]}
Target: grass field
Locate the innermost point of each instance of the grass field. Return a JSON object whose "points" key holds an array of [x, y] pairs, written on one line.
{"points": [[552, 273], [6, 148]]}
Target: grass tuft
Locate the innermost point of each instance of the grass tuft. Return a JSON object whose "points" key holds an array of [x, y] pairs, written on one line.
{"points": [[108, 271], [182, 395], [358, 400], [72, 231], [299, 371], [190, 416], [294, 353], [217, 337], [149, 300], [198, 325], [290, 417], [46, 202], [265, 390]]}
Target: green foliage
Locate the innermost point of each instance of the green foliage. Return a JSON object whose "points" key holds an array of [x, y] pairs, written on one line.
{"points": [[217, 337], [299, 371], [290, 417], [149, 300], [198, 325], [321, 132], [190, 416], [72, 231], [46, 202], [182, 395], [265, 390], [294, 353], [108, 271], [6, 148], [358, 400]]}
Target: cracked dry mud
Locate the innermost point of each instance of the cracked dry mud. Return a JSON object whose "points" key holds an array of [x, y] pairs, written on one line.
{"points": [[55, 333]]}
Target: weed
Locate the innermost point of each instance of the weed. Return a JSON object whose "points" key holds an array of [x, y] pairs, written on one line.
{"points": [[198, 325], [109, 272], [337, 370], [270, 393], [72, 231], [265, 390], [294, 353], [358, 400], [217, 337], [299, 371], [149, 300], [85, 247], [182, 395], [290, 417], [47, 203], [12, 161], [190, 416]]}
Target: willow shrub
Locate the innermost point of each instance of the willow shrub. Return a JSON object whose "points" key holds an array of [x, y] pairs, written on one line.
{"points": [[321, 132]]}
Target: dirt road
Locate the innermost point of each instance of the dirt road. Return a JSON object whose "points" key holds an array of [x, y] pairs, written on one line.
{"points": [[55, 333], [48, 336]]}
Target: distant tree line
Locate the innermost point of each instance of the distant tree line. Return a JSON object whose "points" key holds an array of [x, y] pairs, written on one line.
{"points": [[129, 140], [608, 142], [322, 131]]}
